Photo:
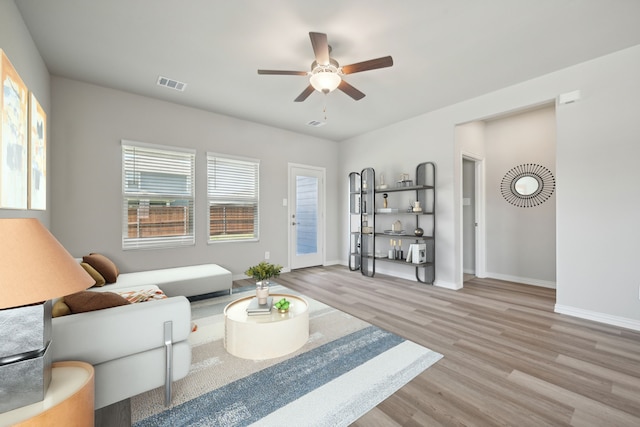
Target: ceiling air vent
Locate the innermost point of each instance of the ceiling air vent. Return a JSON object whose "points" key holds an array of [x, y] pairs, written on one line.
{"points": [[316, 123], [171, 84]]}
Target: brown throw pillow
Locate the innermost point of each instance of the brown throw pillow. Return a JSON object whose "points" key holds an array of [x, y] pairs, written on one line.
{"points": [[84, 301], [97, 277], [103, 265]]}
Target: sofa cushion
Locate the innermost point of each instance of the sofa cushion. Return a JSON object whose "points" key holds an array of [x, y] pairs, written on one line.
{"points": [[84, 301], [103, 265], [180, 281], [95, 275], [60, 308]]}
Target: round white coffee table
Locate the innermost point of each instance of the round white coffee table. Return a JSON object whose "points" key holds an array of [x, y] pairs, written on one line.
{"points": [[265, 336]]}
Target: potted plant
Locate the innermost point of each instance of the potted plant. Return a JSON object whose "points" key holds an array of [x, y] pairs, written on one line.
{"points": [[262, 273]]}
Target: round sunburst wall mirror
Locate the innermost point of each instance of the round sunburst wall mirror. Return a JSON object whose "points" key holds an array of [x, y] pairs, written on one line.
{"points": [[527, 185]]}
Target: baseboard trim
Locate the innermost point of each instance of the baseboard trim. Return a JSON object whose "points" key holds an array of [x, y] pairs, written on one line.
{"points": [[608, 319], [523, 280], [448, 285]]}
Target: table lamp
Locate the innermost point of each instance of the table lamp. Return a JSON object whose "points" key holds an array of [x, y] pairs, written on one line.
{"points": [[34, 268]]}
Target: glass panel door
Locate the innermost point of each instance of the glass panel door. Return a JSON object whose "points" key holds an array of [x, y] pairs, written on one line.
{"points": [[306, 215]]}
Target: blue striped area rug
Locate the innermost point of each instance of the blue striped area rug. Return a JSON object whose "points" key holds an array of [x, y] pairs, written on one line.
{"points": [[346, 369]]}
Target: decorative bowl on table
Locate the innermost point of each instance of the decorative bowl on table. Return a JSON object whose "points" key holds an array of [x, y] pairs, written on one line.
{"points": [[282, 306]]}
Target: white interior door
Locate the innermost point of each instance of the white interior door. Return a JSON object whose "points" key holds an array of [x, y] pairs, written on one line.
{"points": [[306, 216]]}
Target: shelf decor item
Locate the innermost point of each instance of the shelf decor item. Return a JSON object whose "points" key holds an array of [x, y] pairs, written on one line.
{"points": [[382, 185], [262, 273], [404, 181]]}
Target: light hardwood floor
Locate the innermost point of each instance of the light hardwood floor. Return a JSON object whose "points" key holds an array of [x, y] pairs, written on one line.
{"points": [[508, 358]]}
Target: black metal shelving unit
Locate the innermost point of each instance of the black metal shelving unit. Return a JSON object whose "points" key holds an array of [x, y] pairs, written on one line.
{"points": [[354, 221], [367, 222], [424, 191]]}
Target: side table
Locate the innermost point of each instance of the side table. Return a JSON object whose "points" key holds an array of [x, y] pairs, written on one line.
{"points": [[68, 401]]}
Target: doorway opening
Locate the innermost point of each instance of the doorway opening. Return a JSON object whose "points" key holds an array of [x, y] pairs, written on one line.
{"points": [[498, 239], [473, 242]]}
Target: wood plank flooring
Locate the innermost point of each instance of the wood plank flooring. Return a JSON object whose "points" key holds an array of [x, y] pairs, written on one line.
{"points": [[509, 360]]}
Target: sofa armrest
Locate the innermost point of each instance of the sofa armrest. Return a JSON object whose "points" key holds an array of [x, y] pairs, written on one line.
{"points": [[108, 334]]}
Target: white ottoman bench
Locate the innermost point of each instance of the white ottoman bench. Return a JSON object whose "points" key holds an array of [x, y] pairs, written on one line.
{"points": [[186, 281]]}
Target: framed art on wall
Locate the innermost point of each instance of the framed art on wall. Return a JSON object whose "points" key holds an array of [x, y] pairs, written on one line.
{"points": [[13, 137], [37, 155]]}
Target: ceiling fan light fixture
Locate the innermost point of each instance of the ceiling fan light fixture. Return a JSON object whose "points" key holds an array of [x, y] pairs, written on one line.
{"points": [[326, 74], [325, 81]]}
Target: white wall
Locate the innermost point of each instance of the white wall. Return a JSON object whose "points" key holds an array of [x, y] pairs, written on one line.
{"points": [[597, 203], [89, 123], [598, 192], [521, 242], [19, 47]]}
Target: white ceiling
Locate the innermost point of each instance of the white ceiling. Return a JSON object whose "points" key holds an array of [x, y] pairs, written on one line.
{"points": [[444, 51]]}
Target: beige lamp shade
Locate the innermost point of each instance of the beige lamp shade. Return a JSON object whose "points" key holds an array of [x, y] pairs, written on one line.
{"points": [[34, 266]]}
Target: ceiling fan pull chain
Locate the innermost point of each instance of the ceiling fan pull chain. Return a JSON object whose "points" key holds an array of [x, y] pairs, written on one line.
{"points": [[324, 107]]}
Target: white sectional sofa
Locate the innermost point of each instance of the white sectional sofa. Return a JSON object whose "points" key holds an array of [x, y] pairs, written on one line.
{"points": [[138, 347], [184, 281]]}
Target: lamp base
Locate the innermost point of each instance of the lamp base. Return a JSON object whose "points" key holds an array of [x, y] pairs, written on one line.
{"points": [[25, 382], [25, 359]]}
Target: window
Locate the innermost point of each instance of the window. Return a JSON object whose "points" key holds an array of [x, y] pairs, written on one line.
{"points": [[158, 196], [232, 191]]}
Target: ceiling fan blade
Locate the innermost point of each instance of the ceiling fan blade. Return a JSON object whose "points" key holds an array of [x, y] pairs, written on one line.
{"points": [[371, 64], [320, 47], [305, 94], [283, 73], [351, 91]]}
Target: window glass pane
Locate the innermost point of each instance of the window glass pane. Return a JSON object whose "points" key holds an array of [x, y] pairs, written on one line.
{"points": [[232, 222], [158, 202], [232, 189], [307, 215]]}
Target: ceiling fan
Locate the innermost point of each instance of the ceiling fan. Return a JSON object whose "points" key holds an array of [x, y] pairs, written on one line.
{"points": [[326, 74]]}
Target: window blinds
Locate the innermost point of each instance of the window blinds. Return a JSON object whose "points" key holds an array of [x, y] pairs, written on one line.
{"points": [[158, 196], [233, 193]]}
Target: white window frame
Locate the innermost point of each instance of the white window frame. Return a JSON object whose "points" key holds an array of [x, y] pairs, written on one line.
{"points": [[226, 187], [164, 161]]}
